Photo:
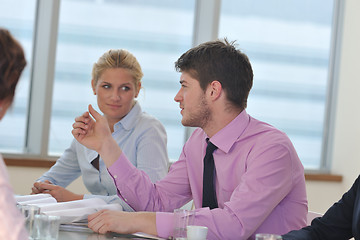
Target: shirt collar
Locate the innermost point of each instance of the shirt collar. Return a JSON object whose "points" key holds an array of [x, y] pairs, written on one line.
{"points": [[226, 137], [129, 121]]}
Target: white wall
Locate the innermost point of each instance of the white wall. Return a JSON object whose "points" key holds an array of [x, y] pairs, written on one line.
{"points": [[346, 145], [22, 179]]}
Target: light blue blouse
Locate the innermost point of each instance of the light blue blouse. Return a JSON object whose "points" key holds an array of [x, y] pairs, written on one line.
{"points": [[143, 140]]}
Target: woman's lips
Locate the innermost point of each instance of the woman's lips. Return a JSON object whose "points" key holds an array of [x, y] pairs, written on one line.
{"points": [[114, 106]]}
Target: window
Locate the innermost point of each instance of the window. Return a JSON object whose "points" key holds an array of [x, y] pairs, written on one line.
{"points": [[89, 28], [289, 45], [18, 17]]}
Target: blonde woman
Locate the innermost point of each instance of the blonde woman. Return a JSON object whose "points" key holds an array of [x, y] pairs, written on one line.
{"points": [[116, 81]]}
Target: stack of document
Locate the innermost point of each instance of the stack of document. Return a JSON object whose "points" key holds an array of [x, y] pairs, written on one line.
{"points": [[77, 211], [35, 199], [73, 212]]}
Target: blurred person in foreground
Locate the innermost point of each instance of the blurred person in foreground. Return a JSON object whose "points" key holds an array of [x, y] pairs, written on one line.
{"points": [[12, 63], [341, 221], [116, 82], [257, 183]]}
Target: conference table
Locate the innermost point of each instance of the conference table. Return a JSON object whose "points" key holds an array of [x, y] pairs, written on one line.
{"points": [[66, 235], [89, 235]]}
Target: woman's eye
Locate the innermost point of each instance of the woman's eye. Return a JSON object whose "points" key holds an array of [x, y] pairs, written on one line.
{"points": [[125, 88], [106, 86]]}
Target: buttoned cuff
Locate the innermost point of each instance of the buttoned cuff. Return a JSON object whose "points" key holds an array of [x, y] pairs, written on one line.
{"points": [[120, 172], [164, 224]]}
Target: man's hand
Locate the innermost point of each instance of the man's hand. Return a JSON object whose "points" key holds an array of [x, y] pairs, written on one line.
{"points": [[91, 132], [96, 135], [105, 221], [59, 193]]}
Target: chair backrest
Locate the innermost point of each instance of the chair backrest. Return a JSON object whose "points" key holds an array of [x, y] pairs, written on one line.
{"points": [[311, 215]]}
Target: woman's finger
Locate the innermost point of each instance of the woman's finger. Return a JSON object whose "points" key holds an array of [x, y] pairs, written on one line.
{"points": [[47, 186]]}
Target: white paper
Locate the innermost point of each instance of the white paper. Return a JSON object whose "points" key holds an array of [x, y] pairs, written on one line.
{"points": [[90, 202], [69, 212], [75, 228], [75, 211], [42, 201], [22, 199]]}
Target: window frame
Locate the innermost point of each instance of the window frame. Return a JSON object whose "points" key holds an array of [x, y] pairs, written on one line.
{"points": [[331, 94], [206, 28]]}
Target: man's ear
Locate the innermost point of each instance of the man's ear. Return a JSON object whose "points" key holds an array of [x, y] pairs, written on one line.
{"points": [[215, 89]]}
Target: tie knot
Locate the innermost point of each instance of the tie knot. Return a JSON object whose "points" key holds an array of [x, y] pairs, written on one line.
{"points": [[210, 147]]}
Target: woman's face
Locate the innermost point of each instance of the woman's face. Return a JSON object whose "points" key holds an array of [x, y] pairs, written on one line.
{"points": [[116, 93]]}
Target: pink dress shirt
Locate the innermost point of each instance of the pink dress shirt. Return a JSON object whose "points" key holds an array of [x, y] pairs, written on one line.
{"points": [[260, 183], [11, 221]]}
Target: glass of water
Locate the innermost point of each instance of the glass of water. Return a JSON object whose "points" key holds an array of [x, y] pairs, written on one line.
{"points": [[182, 219], [46, 227]]}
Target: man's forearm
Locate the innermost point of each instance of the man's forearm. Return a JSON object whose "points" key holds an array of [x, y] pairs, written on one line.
{"points": [[110, 151], [145, 222]]}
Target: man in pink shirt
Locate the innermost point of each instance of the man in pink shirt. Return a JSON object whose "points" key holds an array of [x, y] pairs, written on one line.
{"points": [[258, 179]]}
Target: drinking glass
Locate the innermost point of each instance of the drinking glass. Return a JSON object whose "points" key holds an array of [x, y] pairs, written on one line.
{"points": [[182, 218], [29, 212], [45, 227]]}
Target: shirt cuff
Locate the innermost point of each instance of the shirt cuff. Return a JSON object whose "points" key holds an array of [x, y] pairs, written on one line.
{"points": [[164, 224]]}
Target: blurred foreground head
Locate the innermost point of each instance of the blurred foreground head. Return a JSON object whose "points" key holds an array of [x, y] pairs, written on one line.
{"points": [[12, 63]]}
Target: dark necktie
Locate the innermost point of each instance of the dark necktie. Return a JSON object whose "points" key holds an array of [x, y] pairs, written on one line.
{"points": [[95, 162], [209, 194]]}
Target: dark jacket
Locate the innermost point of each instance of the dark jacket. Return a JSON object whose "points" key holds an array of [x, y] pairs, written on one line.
{"points": [[341, 221]]}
